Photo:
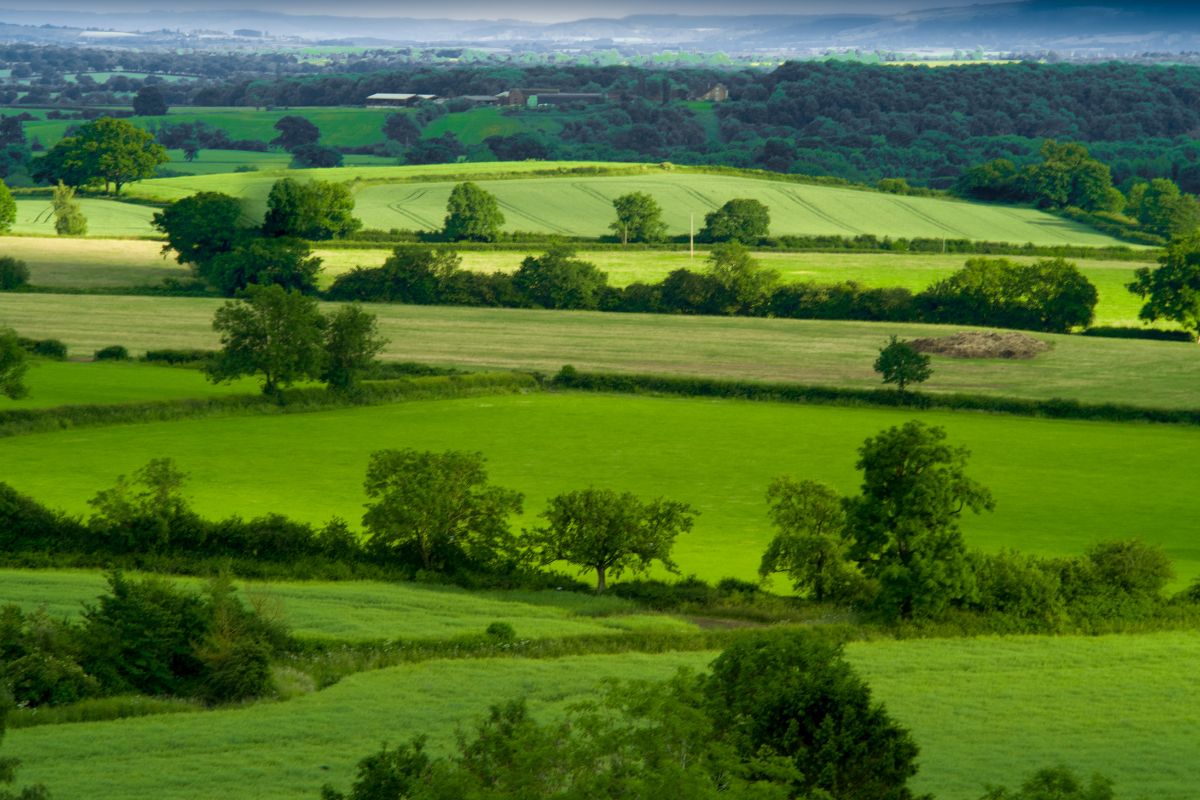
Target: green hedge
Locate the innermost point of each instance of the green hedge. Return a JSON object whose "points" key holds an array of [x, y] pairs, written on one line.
{"points": [[1117, 332], [1055, 408]]}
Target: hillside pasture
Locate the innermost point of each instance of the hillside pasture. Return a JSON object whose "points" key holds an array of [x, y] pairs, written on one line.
{"points": [[395, 197], [984, 711], [111, 218], [57, 383], [371, 610], [1160, 374], [1065, 486]]}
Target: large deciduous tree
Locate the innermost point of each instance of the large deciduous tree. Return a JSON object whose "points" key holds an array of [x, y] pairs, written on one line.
{"points": [[741, 284], [558, 280], [812, 539], [739, 220], [905, 521], [352, 342], [272, 332], [284, 262], [472, 214], [149, 102], [109, 151], [200, 227], [1172, 291], [793, 697], [602, 531], [639, 219], [295, 132], [310, 210], [437, 509]]}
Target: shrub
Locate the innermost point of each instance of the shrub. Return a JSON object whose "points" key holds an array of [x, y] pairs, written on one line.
{"points": [[178, 356], [501, 631], [13, 273], [50, 348], [114, 352]]}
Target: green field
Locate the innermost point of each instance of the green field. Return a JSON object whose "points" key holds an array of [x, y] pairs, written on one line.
{"points": [[1163, 374], [370, 611], [212, 162], [582, 206], [983, 711], [1067, 484], [104, 217], [56, 383]]}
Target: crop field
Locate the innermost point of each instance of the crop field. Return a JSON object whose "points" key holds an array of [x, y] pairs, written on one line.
{"points": [[1162, 374], [582, 206], [92, 263], [982, 710], [368, 611], [718, 456], [104, 217]]}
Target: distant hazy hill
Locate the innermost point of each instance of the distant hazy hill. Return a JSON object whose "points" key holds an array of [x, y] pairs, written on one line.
{"points": [[1118, 27]]}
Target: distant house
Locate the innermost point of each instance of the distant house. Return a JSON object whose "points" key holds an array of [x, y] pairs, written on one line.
{"points": [[547, 97], [385, 100], [719, 93]]}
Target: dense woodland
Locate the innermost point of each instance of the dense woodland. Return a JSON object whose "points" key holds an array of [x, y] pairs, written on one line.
{"points": [[858, 122]]}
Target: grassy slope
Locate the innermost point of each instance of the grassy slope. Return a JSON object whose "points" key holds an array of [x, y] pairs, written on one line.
{"points": [[1066, 486], [105, 217], [1149, 373], [367, 610], [582, 206], [1122, 706]]}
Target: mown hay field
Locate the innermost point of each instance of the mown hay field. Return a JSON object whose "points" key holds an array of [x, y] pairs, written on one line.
{"points": [[1160, 374], [984, 711], [1059, 486]]}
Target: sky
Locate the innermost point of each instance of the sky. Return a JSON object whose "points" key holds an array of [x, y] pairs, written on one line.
{"points": [[531, 10]]}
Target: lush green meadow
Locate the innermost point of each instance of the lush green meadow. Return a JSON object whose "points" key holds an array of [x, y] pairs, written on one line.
{"points": [[56, 383], [395, 197], [1163, 374], [372, 611], [983, 711], [68, 262], [1059, 486]]}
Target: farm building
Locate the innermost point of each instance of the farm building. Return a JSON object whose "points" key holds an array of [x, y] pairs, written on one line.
{"points": [[521, 97], [385, 100]]}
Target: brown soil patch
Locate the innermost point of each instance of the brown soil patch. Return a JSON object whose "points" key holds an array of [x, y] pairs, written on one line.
{"points": [[982, 344]]}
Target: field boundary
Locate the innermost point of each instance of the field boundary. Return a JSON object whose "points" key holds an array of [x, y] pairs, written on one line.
{"points": [[19, 422], [1054, 408]]}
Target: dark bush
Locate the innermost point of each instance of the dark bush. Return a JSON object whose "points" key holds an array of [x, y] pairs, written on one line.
{"points": [[1116, 332], [178, 356], [13, 273], [47, 348], [501, 632], [114, 352]]}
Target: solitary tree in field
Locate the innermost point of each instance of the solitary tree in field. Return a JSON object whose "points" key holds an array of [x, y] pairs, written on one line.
{"points": [[68, 216], [294, 132], [472, 214], [740, 220], [13, 366], [639, 218], [109, 151], [437, 507], [1172, 291], [272, 332], [310, 210], [905, 521], [900, 363], [605, 532]]}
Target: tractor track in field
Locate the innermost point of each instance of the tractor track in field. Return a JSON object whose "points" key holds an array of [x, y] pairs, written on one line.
{"points": [[818, 212]]}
